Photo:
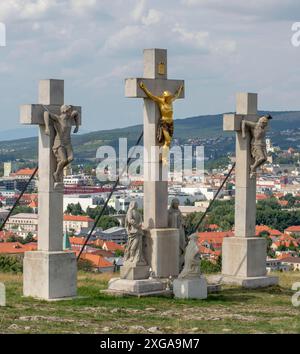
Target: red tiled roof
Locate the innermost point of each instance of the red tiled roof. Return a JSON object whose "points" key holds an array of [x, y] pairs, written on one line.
{"points": [[79, 218], [294, 228], [16, 247], [78, 240], [24, 172], [112, 246], [262, 228], [214, 235], [97, 260], [261, 197], [213, 226]]}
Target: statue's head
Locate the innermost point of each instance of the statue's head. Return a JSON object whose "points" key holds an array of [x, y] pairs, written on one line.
{"points": [[167, 95], [193, 237], [264, 120], [175, 203], [133, 205], [66, 109]]}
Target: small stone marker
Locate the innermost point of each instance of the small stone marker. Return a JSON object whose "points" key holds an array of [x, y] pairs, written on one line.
{"points": [[2, 295]]}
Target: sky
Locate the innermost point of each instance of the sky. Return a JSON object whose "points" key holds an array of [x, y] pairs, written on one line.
{"points": [[218, 47]]}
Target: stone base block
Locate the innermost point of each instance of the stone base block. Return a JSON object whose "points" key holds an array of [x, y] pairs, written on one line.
{"points": [[244, 257], [50, 275], [2, 295], [163, 252], [195, 288], [134, 272], [146, 287], [250, 282]]}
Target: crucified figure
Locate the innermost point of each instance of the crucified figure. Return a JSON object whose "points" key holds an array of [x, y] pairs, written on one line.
{"points": [[62, 146], [166, 125], [258, 141]]}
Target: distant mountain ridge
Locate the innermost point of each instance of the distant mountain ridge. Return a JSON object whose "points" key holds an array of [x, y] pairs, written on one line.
{"points": [[200, 127]]}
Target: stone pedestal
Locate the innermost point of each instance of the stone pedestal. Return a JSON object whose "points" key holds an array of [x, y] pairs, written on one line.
{"points": [[2, 295], [134, 272], [145, 287], [194, 288], [163, 252], [244, 262], [50, 275]]}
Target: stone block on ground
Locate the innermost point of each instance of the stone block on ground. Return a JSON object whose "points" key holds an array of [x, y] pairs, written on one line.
{"points": [[134, 272], [145, 287], [2, 295], [50, 275], [194, 288]]}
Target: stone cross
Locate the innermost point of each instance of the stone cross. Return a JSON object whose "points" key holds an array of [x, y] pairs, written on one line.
{"points": [[155, 173], [244, 255], [50, 222], [245, 187]]}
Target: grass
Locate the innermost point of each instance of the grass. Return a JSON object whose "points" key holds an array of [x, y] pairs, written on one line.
{"points": [[234, 310]]}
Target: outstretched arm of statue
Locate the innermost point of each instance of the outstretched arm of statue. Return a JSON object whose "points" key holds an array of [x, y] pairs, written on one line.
{"points": [[149, 93], [47, 117], [75, 116], [246, 124], [178, 93]]}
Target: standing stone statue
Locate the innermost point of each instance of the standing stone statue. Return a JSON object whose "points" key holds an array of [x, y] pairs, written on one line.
{"points": [[258, 141], [175, 220], [191, 259], [62, 146], [166, 125], [134, 252]]}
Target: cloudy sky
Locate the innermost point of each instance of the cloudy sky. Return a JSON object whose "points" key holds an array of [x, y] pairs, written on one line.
{"points": [[219, 47]]}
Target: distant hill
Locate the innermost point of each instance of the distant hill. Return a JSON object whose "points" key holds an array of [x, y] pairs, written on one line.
{"points": [[201, 127]]}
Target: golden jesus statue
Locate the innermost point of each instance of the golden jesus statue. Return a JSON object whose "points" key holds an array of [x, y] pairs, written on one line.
{"points": [[166, 124]]}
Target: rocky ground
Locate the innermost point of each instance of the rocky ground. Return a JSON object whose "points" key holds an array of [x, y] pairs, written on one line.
{"points": [[233, 310]]}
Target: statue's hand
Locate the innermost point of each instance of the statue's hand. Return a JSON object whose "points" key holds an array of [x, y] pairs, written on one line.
{"points": [[76, 129], [47, 131], [142, 85]]}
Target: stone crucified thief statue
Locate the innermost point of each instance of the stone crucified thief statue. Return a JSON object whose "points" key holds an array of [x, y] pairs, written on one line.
{"points": [[166, 124], [257, 132], [62, 146]]}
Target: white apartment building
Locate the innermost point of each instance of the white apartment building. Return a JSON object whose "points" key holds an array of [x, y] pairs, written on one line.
{"points": [[23, 223]]}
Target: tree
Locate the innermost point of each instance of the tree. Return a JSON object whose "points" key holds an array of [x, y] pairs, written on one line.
{"points": [[85, 265], [119, 253], [75, 209], [29, 238], [94, 212], [22, 209], [209, 267], [10, 264], [106, 222]]}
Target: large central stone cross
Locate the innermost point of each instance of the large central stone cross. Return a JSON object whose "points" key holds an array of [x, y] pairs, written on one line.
{"points": [[244, 255], [162, 242], [48, 273], [155, 172]]}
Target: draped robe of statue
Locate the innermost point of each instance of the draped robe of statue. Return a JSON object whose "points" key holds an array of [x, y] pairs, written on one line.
{"points": [[175, 220], [134, 252], [192, 259]]}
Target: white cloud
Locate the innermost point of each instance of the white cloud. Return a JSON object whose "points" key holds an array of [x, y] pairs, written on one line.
{"points": [[138, 10], [152, 17]]}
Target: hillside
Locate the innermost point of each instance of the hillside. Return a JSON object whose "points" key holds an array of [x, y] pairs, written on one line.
{"points": [[285, 131], [234, 310]]}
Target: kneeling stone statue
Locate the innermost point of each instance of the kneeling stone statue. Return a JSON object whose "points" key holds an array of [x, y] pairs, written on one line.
{"points": [[190, 283]]}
